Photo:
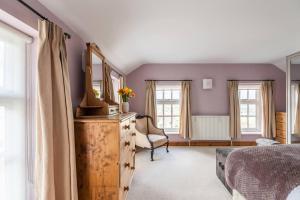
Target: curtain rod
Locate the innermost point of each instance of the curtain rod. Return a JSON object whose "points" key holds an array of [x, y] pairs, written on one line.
{"points": [[68, 36], [167, 80], [251, 80]]}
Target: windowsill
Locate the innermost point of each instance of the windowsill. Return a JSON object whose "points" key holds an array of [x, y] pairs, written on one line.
{"points": [[251, 133], [172, 133]]}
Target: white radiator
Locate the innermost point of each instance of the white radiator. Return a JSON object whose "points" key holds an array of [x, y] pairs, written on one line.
{"points": [[210, 128]]}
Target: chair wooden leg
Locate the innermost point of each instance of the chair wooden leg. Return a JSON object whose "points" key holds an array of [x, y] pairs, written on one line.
{"points": [[152, 152], [167, 148]]}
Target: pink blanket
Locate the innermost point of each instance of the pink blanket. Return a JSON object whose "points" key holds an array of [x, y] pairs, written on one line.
{"points": [[265, 172]]}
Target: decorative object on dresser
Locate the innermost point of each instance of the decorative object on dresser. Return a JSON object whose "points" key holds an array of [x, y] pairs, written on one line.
{"points": [[281, 127], [126, 93], [105, 152], [265, 142], [99, 97], [221, 155], [149, 136]]}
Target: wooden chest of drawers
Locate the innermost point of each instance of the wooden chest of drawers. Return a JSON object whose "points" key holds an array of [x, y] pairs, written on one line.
{"points": [[105, 156], [281, 127]]}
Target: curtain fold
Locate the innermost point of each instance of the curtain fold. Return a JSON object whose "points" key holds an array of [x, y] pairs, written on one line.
{"points": [[234, 110], [297, 110], [55, 166], [268, 103], [150, 105], [108, 84], [185, 128]]}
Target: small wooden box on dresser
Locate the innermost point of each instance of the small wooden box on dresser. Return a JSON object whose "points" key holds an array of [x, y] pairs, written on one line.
{"points": [[281, 127], [105, 156]]}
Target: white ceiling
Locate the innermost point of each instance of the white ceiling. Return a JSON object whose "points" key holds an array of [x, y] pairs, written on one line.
{"points": [[134, 32]]}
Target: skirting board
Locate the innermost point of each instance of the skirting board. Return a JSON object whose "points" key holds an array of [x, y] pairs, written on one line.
{"points": [[212, 143]]}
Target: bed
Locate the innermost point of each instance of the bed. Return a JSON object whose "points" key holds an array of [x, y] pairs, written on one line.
{"points": [[264, 173]]}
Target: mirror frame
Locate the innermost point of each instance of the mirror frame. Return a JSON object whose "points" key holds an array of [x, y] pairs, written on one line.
{"points": [[288, 96], [91, 99]]}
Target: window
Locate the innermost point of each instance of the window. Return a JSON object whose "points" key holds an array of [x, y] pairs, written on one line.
{"points": [[168, 107], [116, 81], [250, 108], [14, 110]]}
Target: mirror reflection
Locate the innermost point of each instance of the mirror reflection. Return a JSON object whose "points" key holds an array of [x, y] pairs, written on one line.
{"points": [[97, 76], [116, 83], [295, 99]]}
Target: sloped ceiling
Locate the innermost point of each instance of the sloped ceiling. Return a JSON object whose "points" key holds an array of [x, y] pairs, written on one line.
{"points": [[134, 32]]}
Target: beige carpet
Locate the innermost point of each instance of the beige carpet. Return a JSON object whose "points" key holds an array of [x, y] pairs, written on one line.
{"points": [[186, 173]]}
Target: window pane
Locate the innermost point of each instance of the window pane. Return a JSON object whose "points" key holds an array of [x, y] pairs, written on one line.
{"points": [[252, 122], [160, 122], [175, 122], [159, 94], [176, 94], [2, 128], [167, 122], [244, 110], [1, 64], [167, 94], [12, 114], [252, 109], [167, 109], [244, 122], [176, 109], [159, 108], [243, 94], [252, 94]]}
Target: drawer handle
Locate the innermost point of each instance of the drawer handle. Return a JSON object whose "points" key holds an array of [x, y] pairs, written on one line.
{"points": [[126, 188], [132, 168], [133, 121], [133, 134], [127, 165], [127, 127], [127, 143]]}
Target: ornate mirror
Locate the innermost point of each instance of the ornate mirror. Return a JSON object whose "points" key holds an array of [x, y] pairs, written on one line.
{"points": [[94, 75], [101, 85]]}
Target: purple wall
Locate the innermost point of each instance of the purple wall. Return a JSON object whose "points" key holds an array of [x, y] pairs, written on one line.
{"points": [[75, 45], [206, 102], [295, 72]]}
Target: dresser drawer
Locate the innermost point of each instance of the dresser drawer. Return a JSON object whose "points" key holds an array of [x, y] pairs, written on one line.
{"points": [[281, 133], [281, 126], [126, 178], [281, 117]]}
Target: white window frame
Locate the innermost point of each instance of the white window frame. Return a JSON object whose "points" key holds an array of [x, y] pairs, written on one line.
{"points": [[31, 35], [118, 81], [257, 102], [175, 86]]}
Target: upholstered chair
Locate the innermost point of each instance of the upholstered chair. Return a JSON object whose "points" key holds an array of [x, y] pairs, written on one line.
{"points": [[149, 136]]}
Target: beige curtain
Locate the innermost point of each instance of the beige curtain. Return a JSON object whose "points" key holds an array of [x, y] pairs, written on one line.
{"points": [[268, 109], [185, 128], [108, 85], [150, 106], [234, 109], [297, 109], [55, 169]]}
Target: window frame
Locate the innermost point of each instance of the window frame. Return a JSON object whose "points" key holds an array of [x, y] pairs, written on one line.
{"points": [[171, 101], [31, 44], [257, 102]]}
